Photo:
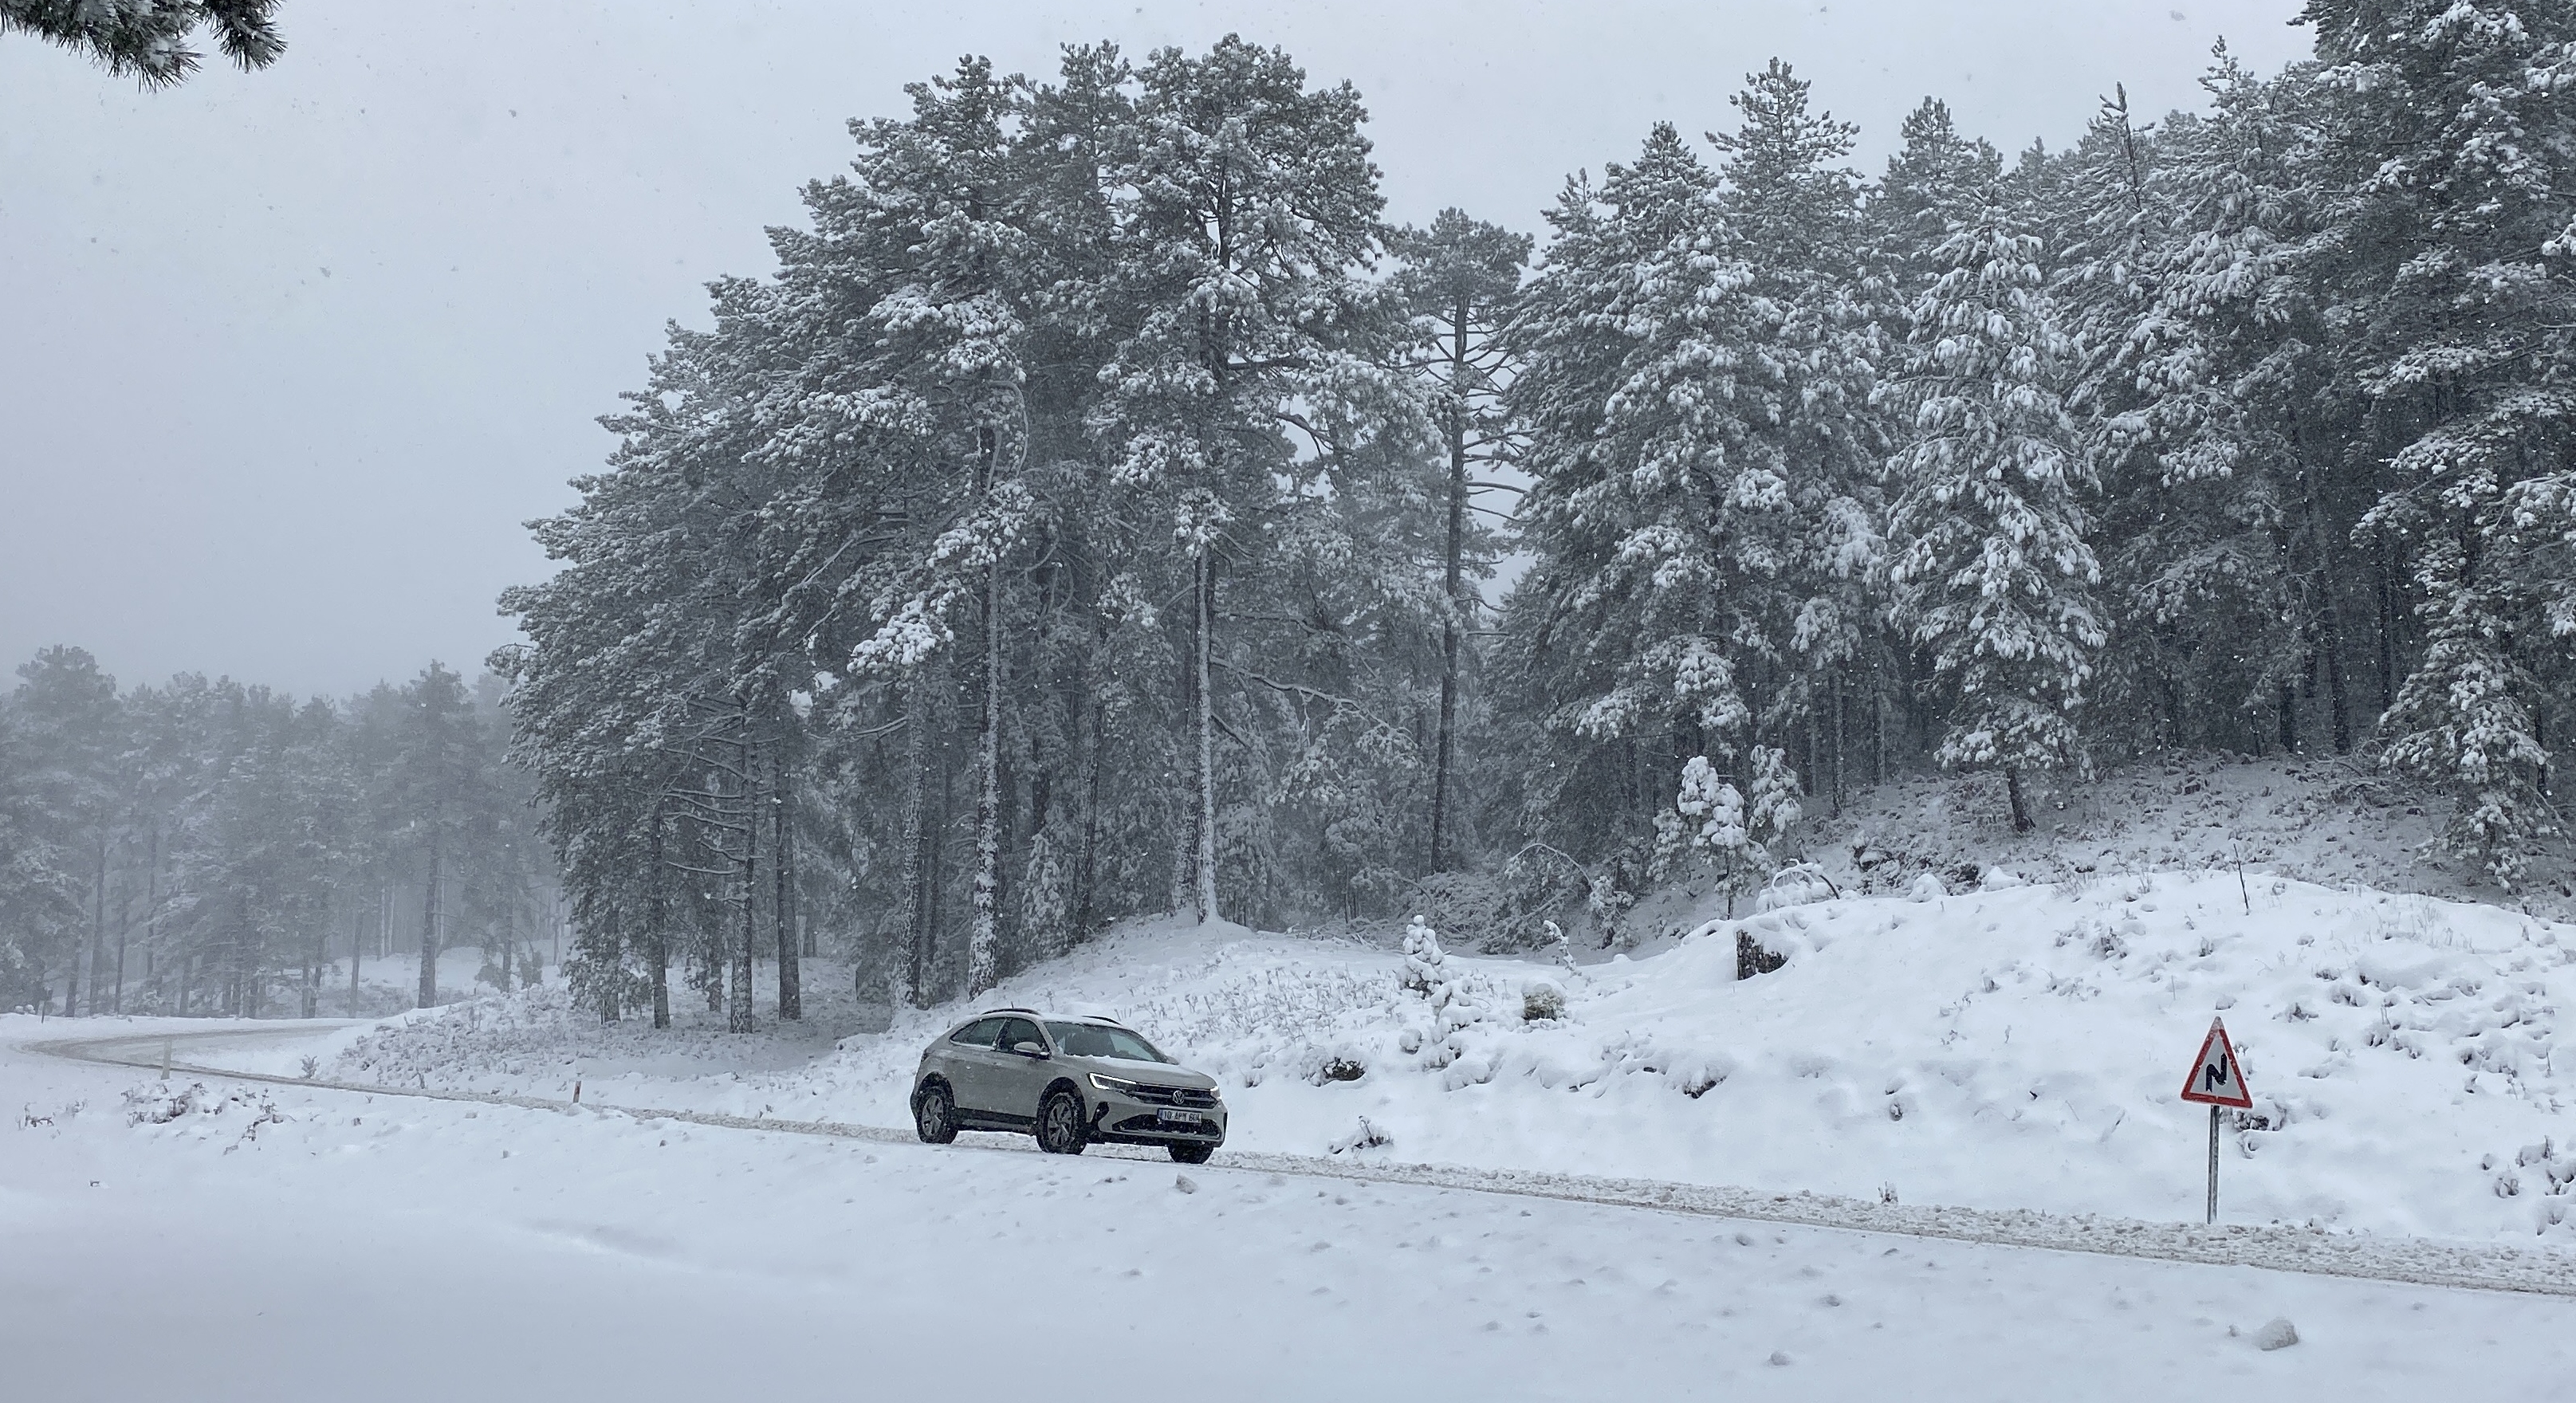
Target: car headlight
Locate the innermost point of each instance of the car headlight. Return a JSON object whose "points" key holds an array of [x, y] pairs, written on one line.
{"points": [[1112, 1084]]}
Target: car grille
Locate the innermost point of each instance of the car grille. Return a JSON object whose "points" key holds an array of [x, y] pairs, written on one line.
{"points": [[1148, 1125], [1174, 1095]]}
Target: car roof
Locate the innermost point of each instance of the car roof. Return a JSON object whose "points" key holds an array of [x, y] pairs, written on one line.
{"points": [[1101, 1020]]}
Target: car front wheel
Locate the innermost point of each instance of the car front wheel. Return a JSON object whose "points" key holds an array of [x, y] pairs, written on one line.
{"points": [[934, 1115], [1193, 1154], [1060, 1128]]}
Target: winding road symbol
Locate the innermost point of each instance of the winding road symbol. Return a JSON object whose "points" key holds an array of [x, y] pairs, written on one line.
{"points": [[2216, 1077]]}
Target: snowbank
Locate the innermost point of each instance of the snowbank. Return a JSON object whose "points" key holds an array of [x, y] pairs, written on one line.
{"points": [[2011, 1048]]}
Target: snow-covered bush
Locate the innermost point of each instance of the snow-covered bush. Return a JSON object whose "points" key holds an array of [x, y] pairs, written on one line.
{"points": [[157, 1104], [1795, 885], [1477, 909], [1422, 958], [1368, 1137], [1340, 1061], [1542, 1002], [1751, 958]]}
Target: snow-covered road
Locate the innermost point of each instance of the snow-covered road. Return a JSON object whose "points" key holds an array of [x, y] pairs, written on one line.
{"points": [[404, 1247], [2479, 1266]]}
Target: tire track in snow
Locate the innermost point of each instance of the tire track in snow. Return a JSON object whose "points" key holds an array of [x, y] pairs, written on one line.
{"points": [[2311, 1251]]}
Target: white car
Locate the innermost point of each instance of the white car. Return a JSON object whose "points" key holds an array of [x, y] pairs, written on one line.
{"points": [[1069, 1081]]}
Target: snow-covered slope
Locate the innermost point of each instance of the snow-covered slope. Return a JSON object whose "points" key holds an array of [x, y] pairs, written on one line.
{"points": [[2014, 1048], [2327, 819]]}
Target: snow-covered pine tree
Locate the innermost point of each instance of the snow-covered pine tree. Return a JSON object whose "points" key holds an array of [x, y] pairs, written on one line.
{"points": [[1658, 521], [40, 895], [1248, 205], [2232, 556], [69, 720], [1458, 281], [949, 344], [149, 38], [1935, 179], [1992, 574], [2106, 214], [1796, 212], [2451, 142]]}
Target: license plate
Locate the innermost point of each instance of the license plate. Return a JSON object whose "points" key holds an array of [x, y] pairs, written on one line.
{"points": [[1179, 1117]]}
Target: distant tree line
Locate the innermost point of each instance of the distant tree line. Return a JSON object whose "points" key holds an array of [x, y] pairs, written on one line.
{"points": [[206, 847]]}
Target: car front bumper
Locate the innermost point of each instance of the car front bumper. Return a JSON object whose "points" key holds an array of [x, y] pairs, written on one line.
{"points": [[1119, 1118]]}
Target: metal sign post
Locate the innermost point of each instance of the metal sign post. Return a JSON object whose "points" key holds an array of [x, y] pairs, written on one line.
{"points": [[2213, 1166], [2216, 1079]]}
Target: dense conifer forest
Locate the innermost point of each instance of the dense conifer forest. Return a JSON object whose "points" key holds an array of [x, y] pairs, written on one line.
{"points": [[1104, 509]]}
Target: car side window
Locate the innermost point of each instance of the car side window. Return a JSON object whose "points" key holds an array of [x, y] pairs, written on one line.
{"points": [[1020, 1030], [979, 1033]]}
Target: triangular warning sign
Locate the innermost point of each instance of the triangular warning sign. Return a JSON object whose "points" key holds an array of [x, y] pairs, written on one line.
{"points": [[2216, 1076]]}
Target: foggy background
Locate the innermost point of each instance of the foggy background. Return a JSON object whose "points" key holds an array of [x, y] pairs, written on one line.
{"points": [[287, 358]]}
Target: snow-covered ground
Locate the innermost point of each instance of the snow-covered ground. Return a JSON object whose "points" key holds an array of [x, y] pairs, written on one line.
{"points": [[290, 1243], [2333, 820], [1998, 1061], [2017, 1048]]}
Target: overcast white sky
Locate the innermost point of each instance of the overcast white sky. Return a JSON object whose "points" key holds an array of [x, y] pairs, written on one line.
{"points": [[287, 358]]}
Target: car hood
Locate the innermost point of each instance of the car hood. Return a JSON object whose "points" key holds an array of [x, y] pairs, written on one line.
{"points": [[1152, 1073]]}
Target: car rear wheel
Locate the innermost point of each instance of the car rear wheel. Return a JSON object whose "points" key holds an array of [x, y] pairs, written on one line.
{"points": [[1193, 1154], [1060, 1127], [934, 1115]]}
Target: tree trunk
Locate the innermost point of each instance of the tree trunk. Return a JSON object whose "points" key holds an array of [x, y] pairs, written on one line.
{"points": [[983, 944], [1086, 870], [1452, 576], [124, 931], [1838, 743], [429, 916], [1207, 743], [1877, 729], [1185, 804], [97, 920], [916, 843], [657, 952], [2387, 627], [611, 993], [152, 915], [312, 969], [357, 934], [2020, 809], [934, 888], [738, 1016], [2329, 611], [782, 866]]}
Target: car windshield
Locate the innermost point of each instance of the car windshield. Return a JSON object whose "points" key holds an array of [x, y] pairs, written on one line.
{"points": [[1094, 1040]]}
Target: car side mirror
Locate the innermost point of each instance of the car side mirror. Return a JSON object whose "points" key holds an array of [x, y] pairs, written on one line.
{"points": [[1030, 1050]]}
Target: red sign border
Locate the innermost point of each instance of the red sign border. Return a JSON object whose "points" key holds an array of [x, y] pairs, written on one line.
{"points": [[2244, 1099]]}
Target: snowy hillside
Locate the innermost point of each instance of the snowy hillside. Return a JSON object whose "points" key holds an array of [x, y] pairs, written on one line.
{"points": [[2017, 1047], [2327, 819]]}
